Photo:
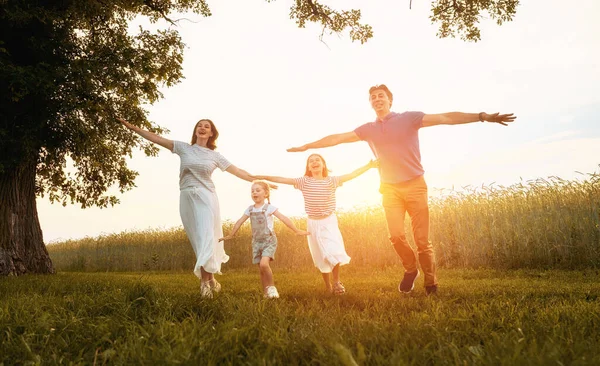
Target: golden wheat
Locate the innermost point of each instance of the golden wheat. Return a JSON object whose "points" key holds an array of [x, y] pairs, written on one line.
{"points": [[544, 223]]}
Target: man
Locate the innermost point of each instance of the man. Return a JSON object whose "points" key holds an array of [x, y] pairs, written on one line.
{"points": [[394, 140]]}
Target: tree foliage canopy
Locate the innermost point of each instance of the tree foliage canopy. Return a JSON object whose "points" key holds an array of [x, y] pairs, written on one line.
{"points": [[461, 17], [69, 67]]}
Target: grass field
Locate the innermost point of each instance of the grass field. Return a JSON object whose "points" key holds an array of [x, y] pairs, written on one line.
{"points": [[481, 317], [519, 285]]}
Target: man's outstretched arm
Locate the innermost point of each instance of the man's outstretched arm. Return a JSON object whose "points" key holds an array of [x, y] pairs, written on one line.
{"points": [[457, 118], [328, 141]]}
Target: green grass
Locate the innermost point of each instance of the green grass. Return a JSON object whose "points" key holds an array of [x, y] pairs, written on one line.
{"points": [[480, 317], [131, 297]]}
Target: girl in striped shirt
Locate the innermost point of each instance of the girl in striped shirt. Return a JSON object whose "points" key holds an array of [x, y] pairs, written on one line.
{"points": [[325, 240]]}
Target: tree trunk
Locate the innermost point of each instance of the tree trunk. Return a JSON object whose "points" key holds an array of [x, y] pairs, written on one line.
{"points": [[22, 248]]}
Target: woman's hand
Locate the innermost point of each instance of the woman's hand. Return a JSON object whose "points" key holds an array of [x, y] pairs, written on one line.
{"points": [[150, 136], [228, 237], [374, 163], [125, 123], [263, 177], [302, 233]]}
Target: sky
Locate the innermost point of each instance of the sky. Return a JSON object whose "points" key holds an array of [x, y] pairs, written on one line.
{"points": [[269, 85]]}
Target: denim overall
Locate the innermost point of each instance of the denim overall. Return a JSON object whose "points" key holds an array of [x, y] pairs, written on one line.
{"points": [[264, 241]]}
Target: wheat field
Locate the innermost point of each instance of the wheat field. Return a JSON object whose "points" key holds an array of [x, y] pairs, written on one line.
{"points": [[543, 223]]}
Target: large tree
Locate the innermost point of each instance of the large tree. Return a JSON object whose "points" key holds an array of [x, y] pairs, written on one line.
{"points": [[68, 67]]}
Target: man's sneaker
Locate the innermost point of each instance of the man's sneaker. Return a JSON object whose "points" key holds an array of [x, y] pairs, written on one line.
{"points": [[338, 288], [408, 282], [214, 285], [272, 293], [205, 290], [431, 290]]}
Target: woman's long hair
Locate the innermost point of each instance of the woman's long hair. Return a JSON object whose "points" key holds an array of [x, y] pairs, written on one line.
{"points": [[308, 173], [211, 143]]}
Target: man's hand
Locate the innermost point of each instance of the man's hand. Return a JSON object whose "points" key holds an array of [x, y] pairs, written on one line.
{"points": [[302, 233], [297, 149], [503, 119]]}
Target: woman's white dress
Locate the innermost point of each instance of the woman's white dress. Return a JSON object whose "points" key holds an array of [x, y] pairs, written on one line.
{"points": [[199, 204]]}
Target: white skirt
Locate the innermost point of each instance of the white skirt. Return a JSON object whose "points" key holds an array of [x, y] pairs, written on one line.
{"points": [[201, 218], [326, 243]]}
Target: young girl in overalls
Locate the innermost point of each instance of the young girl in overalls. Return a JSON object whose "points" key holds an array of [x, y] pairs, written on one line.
{"points": [[325, 241], [264, 241]]}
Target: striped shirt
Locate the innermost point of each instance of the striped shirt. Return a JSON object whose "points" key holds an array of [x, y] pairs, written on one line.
{"points": [[197, 165], [319, 194]]}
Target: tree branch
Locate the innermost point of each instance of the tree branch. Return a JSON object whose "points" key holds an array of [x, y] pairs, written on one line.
{"points": [[155, 8]]}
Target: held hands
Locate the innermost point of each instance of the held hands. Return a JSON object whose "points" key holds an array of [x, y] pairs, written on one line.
{"points": [[302, 233], [297, 149], [228, 237], [502, 119], [262, 177]]}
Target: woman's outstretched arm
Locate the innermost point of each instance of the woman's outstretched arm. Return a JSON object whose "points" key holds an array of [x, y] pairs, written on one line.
{"points": [[150, 136], [242, 174]]}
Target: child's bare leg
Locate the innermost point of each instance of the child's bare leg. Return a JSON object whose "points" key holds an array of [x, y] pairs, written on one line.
{"points": [[336, 274], [266, 275], [262, 278], [338, 288], [327, 282]]}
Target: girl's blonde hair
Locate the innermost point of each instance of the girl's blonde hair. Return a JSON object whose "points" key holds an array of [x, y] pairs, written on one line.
{"points": [[265, 185]]}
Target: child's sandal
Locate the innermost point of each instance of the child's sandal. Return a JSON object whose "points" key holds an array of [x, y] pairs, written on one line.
{"points": [[339, 289]]}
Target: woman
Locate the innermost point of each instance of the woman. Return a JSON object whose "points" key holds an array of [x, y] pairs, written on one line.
{"points": [[198, 202]]}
